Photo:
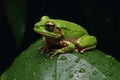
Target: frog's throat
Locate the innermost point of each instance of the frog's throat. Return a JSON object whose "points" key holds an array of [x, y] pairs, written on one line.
{"points": [[50, 35]]}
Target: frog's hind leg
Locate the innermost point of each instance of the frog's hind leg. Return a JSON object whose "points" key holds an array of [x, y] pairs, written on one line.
{"points": [[86, 42], [88, 48]]}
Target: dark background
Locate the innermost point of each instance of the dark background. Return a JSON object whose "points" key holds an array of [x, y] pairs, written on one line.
{"points": [[99, 18]]}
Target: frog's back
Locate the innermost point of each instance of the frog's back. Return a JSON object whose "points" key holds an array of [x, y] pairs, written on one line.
{"points": [[70, 29]]}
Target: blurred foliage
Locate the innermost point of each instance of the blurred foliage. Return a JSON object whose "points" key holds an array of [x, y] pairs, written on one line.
{"points": [[16, 14]]}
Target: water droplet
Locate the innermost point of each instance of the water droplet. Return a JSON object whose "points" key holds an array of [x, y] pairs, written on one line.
{"points": [[86, 54], [48, 67], [111, 64], [40, 78], [45, 60], [94, 72], [77, 60], [45, 63], [31, 56], [106, 64], [109, 56], [113, 58], [41, 52], [70, 75], [82, 70], [109, 74], [63, 58], [34, 73]]}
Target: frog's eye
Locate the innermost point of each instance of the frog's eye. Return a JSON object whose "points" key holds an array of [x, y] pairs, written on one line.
{"points": [[49, 26]]}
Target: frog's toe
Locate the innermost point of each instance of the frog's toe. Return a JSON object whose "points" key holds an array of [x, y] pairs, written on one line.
{"points": [[53, 54], [88, 48], [44, 49], [82, 51]]}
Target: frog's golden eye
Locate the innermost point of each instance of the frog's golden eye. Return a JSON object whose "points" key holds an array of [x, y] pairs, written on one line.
{"points": [[49, 26]]}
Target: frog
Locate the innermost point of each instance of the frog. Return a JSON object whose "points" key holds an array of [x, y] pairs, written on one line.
{"points": [[62, 36]]}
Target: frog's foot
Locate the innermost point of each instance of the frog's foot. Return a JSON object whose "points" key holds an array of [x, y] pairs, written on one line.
{"points": [[43, 48], [67, 47], [88, 48], [55, 52]]}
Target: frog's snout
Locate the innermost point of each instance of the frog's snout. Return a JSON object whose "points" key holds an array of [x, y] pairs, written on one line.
{"points": [[37, 26]]}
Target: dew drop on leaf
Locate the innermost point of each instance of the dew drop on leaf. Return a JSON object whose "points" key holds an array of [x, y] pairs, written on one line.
{"points": [[47, 67], [70, 75], [94, 72], [34, 73], [109, 74], [45, 60], [111, 64], [77, 60], [46, 63], [86, 54], [82, 70], [63, 58]]}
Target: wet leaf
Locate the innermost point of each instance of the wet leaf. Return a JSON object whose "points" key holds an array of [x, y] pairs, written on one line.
{"points": [[32, 64]]}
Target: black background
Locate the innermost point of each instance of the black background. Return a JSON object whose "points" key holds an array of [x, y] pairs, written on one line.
{"points": [[99, 18]]}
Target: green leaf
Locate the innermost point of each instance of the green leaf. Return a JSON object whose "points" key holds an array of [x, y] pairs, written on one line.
{"points": [[16, 14], [32, 64]]}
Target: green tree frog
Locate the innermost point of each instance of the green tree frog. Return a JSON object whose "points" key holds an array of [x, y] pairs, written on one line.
{"points": [[62, 36]]}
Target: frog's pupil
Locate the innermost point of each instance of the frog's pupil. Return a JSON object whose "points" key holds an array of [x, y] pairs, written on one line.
{"points": [[49, 26]]}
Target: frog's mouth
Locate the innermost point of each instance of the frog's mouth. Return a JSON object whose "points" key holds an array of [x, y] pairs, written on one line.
{"points": [[49, 34], [44, 32]]}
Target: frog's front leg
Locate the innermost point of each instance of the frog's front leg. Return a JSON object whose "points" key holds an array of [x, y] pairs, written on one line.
{"points": [[44, 48], [67, 47], [86, 42]]}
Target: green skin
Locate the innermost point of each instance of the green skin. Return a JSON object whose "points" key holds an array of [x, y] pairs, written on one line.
{"points": [[62, 36]]}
